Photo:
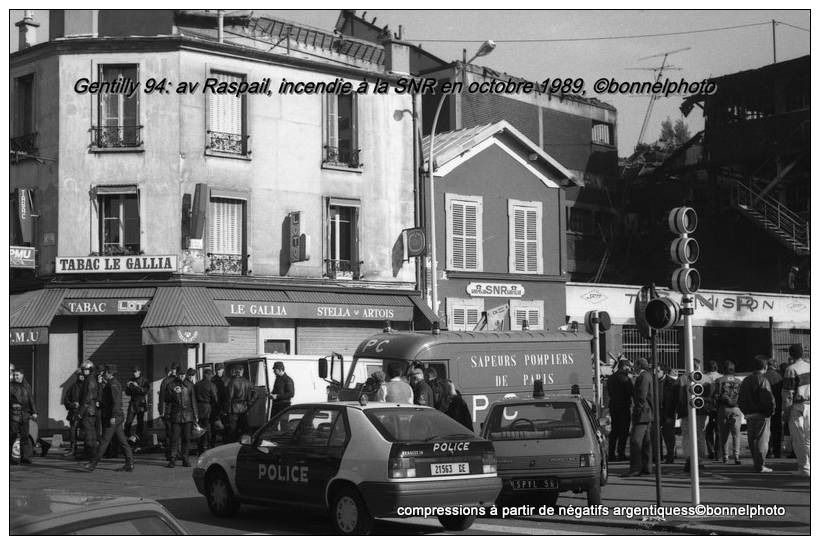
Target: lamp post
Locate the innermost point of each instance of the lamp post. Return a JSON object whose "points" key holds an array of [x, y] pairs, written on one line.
{"points": [[484, 49]]}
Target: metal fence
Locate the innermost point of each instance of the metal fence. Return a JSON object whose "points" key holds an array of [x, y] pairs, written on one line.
{"points": [[783, 338], [635, 346]]}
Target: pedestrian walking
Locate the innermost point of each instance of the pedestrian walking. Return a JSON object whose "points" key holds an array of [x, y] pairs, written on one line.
{"points": [[71, 402], [701, 417], [756, 401], [181, 412], [22, 410], [776, 383], [619, 388], [422, 393], [207, 403], [797, 407], [88, 410], [112, 418], [667, 396], [398, 390], [283, 390], [170, 376], [642, 418], [456, 406], [240, 396], [729, 416], [137, 389]]}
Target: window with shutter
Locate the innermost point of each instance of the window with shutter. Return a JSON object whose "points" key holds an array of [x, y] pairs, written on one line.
{"points": [[119, 224], [526, 244], [463, 314], [342, 221], [530, 310], [24, 140], [118, 114], [226, 118], [226, 247], [464, 233], [341, 145]]}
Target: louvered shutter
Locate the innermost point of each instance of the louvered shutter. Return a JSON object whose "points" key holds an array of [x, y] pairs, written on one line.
{"points": [[463, 315], [525, 237], [109, 102], [225, 229], [464, 241], [332, 122], [225, 111], [530, 310]]}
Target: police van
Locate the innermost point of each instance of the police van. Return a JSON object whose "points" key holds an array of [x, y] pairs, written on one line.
{"points": [[357, 462], [484, 365]]}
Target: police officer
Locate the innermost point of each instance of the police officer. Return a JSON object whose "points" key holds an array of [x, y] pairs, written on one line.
{"points": [[619, 387], [207, 400], [111, 411], [22, 410], [239, 397], [170, 376], [89, 404], [218, 413], [283, 390], [181, 412], [136, 388], [71, 401]]}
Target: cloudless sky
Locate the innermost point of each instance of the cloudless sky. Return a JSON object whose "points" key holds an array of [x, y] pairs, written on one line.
{"points": [[711, 54]]}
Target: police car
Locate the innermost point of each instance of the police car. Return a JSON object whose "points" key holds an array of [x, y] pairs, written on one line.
{"points": [[356, 461]]}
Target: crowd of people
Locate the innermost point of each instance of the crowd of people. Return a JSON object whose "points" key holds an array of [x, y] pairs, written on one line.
{"points": [[775, 402]]}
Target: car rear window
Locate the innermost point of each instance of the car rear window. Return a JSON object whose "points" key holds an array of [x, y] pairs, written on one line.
{"points": [[535, 420], [415, 424]]}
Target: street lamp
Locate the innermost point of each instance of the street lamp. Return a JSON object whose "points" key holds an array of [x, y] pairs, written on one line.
{"points": [[485, 48]]}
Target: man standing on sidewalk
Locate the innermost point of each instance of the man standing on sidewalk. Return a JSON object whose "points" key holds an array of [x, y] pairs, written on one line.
{"points": [[240, 397], [283, 390], [170, 376], [756, 401], [668, 398], [642, 418], [112, 419], [619, 388], [22, 410], [89, 405], [776, 383], [207, 403], [136, 388], [181, 410], [797, 407], [712, 431], [727, 391]]}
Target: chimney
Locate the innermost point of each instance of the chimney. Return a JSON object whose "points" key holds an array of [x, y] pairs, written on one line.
{"points": [[28, 30], [396, 57]]}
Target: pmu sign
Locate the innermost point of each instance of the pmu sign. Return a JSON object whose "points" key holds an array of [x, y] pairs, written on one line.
{"points": [[27, 336], [22, 257]]}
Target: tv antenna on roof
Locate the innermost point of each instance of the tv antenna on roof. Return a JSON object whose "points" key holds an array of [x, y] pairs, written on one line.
{"points": [[663, 67]]}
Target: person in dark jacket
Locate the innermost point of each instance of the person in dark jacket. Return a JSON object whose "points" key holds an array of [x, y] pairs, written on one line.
{"points": [[23, 409], [756, 401], [456, 406], [422, 393], [619, 388], [668, 398], [776, 383], [181, 412], [239, 397], [170, 376], [642, 418], [439, 388], [71, 402], [136, 388], [89, 404], [218, 413], [727, 389], [283, 390], [207, 400], [112, 418]]}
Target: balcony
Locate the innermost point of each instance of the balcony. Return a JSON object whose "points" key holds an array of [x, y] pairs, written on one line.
{"points": [[226, 264], [124, 137], [23, 146], [345, 158], [343, 270], [226, 142]]}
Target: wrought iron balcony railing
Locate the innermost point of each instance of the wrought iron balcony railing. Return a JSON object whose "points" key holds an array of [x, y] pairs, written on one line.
{"points": [[342, 157], [116, 137], [226, 142], [226, 264], [338, 269], [25, 144]]}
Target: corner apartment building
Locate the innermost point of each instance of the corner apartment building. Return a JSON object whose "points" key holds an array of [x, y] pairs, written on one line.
{"points": [[197, 226]]}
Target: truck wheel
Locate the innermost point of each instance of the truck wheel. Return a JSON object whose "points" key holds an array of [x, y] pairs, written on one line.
{"points": [[456, 522], [594, 494], [349, 513], [219, 494]]}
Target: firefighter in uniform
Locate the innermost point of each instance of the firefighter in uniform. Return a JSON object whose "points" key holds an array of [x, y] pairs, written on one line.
{"points": [[87, 410], [112, 419]]}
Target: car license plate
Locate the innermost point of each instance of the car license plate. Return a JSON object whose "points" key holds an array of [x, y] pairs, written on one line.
{"points": [[542, 483], [440, 469]]}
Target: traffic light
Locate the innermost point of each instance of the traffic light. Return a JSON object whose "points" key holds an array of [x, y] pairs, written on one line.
{"points": [[661, 313], [696, 389], [684, 250]]}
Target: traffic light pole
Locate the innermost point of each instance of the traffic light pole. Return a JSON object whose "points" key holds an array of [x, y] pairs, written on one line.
{"points": [[657, 416], [596, 348], [687, 311]]}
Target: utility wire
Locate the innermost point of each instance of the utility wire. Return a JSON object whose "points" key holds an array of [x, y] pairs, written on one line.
{"points": [[606, 38], [792, 26]]}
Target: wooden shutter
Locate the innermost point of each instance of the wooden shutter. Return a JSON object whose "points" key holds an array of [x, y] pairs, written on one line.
{"points": [[525, 237], [225, 226], [225, 111], [109, 102], [530, 310], [463, 315], [464, 233], [332, 131]]}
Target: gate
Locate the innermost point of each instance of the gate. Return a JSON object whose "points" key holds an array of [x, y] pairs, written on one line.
{"points": [[634, 346]]}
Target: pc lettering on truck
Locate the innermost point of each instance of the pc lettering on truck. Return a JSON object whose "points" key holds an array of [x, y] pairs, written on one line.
{"points": [[487, 365]]}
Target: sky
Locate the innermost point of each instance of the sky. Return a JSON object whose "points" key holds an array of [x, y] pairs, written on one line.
{"points": [[712, 53]]}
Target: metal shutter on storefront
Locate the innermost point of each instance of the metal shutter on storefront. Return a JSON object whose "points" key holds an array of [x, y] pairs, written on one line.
{"points": [[116, 341], [322, 337], [242, 343]]}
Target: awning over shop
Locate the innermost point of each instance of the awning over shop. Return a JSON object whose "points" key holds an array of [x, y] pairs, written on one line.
{"points": [[320, 305], [30, 315], [183, 315]]}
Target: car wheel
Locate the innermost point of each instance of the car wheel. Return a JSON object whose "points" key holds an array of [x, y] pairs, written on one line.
{"points": [[551, 498], [456, 522], [604, 471], [349, 513], [220, 496], [594, 494]]}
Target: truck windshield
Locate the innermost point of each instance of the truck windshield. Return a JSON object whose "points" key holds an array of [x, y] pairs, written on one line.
{"points": [[535, 420], [416, 424]]}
